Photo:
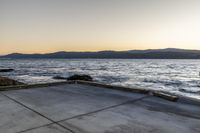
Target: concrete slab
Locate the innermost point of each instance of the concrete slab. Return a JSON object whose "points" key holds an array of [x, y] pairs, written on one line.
{"points": [[182, 107], [80, 108], [131, 118], [66, 101], [100, 91], [49, 129], [15, 118]]}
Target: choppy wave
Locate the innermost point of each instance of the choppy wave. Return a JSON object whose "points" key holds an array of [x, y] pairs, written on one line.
{"points": [[164, 82], [191, 91], [176, 76]]}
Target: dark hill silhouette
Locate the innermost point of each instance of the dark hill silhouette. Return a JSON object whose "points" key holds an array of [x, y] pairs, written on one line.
{"points": [[169, 53]]}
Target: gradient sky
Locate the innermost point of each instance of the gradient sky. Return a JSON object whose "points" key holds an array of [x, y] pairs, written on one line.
{"points": [[41, 26]]}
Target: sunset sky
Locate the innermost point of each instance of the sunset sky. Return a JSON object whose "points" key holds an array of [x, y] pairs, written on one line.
{"points": [[42, 26]]}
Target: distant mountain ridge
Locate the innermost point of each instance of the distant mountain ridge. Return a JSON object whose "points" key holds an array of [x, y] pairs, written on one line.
{"points": [[168, 53]]}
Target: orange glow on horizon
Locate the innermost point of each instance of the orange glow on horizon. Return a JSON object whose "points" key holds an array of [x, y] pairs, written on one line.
{"points": [[98, 25]]}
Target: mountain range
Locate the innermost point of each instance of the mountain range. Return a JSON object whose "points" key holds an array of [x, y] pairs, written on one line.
{"points": [[168, 53]]}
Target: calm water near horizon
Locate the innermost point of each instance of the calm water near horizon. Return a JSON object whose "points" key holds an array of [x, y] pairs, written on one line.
{"points": [[176, 76]]}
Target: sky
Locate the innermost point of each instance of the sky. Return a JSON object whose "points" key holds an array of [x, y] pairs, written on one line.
{"points": [[43, 26]]}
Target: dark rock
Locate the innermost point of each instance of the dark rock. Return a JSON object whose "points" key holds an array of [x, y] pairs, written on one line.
{"points": [[60, 78], [9, 82], [80, 77], [6, 70]]}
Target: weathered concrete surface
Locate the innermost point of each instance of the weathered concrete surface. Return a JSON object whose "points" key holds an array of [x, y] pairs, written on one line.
{"points": [[136, 118], [183, 107], [63, 102], [53, 128], [75, 108], [15, 118]]}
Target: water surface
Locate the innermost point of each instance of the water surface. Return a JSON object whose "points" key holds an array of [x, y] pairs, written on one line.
{"points": [[176, 76]]}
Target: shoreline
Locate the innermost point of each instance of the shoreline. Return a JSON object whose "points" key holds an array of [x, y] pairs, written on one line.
{"points": [[162, 94], [109, 85]]}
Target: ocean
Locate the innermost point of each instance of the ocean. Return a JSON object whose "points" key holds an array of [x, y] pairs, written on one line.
{"points": [[180, 77]]}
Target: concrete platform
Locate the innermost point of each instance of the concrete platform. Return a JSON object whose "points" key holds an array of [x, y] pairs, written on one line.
{"points": [[78, 108]]}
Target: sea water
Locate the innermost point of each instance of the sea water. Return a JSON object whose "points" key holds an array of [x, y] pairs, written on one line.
{"points": [[176, 76]]}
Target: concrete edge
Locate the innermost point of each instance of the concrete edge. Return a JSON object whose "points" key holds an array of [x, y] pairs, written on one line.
{"points": [[113, 87], [164, 95], [161, 94], [20, 87]]}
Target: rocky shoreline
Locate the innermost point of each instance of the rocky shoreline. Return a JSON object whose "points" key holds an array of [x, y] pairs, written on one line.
{"points": [[4, 81], [75, 77]]}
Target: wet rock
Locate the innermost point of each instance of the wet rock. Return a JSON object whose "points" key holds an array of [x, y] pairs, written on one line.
{"points": [[6, 70], [9, 82], [60, 78], [80, 77]]}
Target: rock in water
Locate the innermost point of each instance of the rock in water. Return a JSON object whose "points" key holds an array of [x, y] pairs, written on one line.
{"points": [[60, 78], [80, 77], [9, 82], [6, 70]]}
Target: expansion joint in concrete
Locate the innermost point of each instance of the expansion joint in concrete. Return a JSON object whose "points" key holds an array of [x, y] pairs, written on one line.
{"points": [[77, 116], [52, 121], [106, 108]]}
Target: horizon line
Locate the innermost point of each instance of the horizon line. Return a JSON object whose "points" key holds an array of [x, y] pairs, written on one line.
{"points": [[98, 51]]}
